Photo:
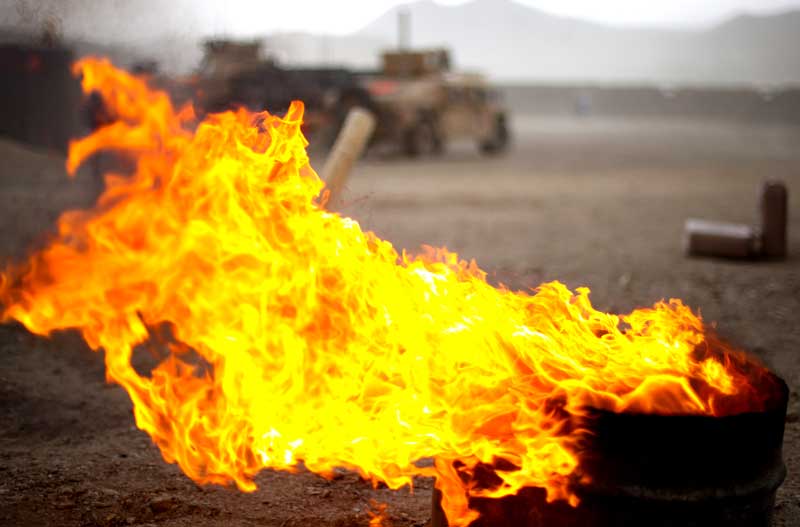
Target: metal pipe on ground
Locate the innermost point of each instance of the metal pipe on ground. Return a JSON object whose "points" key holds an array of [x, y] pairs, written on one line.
{"points": [[726, 240], [767, 239], [350, 143]]}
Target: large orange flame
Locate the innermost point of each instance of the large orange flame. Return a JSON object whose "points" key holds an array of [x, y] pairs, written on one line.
{"points": [[297, 337]]}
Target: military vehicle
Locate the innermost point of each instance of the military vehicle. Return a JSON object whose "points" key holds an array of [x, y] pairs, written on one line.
{"points": [[236, 73], [422, 105]]}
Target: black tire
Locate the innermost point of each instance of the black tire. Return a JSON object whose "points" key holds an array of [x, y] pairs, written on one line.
{"points": [[347, 100], [422, 139], [500, 138]]}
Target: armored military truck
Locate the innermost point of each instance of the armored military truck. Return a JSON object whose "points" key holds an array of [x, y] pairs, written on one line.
{"points": [[422, 105], [238, 73]]}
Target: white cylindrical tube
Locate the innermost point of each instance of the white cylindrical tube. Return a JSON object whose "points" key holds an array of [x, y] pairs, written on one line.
{"points": [[356, 131], [725, 240]]}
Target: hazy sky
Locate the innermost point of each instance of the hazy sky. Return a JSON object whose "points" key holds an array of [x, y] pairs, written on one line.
{"points": [[120, 18], [658, 12], [344, 16]]}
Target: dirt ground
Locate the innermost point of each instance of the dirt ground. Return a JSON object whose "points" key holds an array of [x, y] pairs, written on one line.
{"points": [[595, 202]]}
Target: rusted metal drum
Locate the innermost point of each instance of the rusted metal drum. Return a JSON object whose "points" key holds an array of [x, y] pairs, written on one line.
{"points": [[773, 208], [651, 470]]}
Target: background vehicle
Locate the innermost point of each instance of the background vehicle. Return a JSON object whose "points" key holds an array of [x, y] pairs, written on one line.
{"points": [[419, 103], [236, 73], [422, 105]]}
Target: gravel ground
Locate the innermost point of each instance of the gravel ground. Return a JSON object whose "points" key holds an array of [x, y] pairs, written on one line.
{"points": [[595, 202]]}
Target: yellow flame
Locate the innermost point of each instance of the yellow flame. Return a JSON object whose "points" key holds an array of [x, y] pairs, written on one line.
{"points": [[298, 337]]}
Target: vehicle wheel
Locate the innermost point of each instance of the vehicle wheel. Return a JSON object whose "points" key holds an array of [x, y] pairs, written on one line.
{"points": [[499, 139], [346, 101], [422, 139]]}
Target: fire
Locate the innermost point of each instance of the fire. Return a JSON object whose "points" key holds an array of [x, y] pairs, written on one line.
{"points": [[378, 516], [289, 335]]}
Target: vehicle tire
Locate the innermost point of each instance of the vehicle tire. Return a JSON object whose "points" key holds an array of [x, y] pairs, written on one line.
{"points": [[422, 139], [347, 100], [499, 140]]}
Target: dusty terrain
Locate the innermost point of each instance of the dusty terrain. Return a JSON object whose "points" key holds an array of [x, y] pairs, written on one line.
{"points": [[588, 202]]}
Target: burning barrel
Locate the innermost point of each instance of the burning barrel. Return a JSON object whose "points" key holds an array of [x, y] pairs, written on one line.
{"points": [[342, 352], [655, 470]]}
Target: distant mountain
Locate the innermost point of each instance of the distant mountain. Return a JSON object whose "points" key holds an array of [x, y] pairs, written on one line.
{"points": [[505, 39], [512, 41]]}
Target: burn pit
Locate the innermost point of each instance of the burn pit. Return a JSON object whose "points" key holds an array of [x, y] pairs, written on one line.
{"points": [[655, 470], [556, 340]]}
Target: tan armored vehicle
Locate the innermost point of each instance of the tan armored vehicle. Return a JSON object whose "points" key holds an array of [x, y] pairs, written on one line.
{"points": [[239, 73], [223, 60], [422, 105]]}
